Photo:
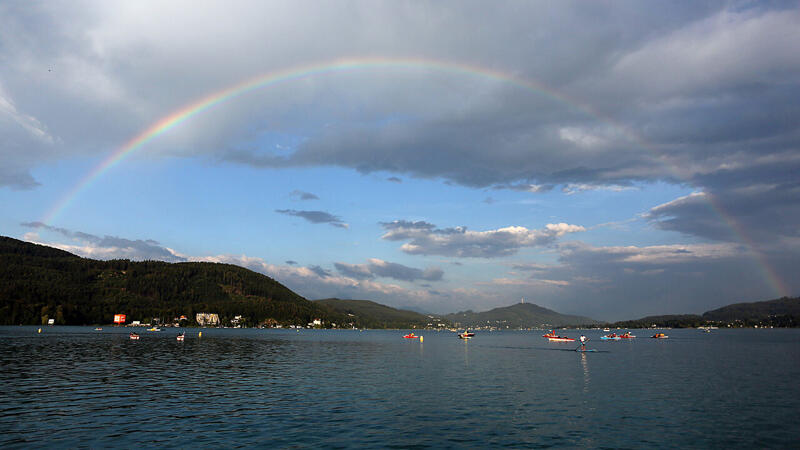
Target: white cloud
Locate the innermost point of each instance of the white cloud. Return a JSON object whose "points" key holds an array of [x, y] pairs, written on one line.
{"points": [[425, 239]]}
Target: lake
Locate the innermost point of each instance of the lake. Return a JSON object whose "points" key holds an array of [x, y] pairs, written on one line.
{"points": [[76, 387]]}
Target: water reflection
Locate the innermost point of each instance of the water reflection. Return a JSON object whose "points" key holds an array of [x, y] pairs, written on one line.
{"points": [[585, 367]]}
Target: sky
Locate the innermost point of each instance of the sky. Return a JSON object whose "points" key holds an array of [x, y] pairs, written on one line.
{"points": [[609, 159]]}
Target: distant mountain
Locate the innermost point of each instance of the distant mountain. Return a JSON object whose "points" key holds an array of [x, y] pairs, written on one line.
{"points": [[520, 315], [368, 314], [782, 312], [38, 283]]}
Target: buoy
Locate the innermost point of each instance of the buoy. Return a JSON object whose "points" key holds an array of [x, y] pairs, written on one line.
{"points": [[421, 339], [40, 330], [200, 334]]}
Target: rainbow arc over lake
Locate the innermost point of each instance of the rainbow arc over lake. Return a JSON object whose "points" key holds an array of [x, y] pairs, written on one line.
{"points": [[290, 74]]}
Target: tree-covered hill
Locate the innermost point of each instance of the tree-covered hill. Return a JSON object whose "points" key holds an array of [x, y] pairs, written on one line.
{"points": [[782, 312], [520, 315], [368, 314], [39, 283]]}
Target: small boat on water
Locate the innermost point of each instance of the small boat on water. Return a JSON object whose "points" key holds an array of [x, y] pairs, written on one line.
{"points": [[134, 336], [181, 336], [98, 329], [606, 329], [626, 335], [466, 335], [659, 336], [154, 329], [552, 337], [612, 336], [410, 336]]}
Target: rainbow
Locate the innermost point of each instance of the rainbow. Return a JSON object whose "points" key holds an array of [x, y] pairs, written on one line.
{"points": [[270, 79]]}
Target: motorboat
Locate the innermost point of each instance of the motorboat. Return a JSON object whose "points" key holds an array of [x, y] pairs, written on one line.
{"points": [[466, 335], [134, 336], [154, 329], [181, 336]]}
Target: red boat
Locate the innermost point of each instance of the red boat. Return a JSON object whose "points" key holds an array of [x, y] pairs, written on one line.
{"points": [[466, 335], [627, 335], [410, 336], [134, 336], [551, 336]]}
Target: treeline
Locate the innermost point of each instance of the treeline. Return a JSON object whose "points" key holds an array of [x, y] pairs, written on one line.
{"points": [[368, 314], [783, 312], [39, 283]]}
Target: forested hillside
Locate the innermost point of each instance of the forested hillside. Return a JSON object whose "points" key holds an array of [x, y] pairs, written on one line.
{"points": [[39, 283]]}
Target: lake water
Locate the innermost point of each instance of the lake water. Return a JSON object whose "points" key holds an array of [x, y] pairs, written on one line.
{"points": [[76, 387]]}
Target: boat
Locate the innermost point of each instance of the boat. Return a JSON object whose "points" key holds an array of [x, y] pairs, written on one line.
{"points": [[134, 336], [612, 336], [552, 337], [181, 336], [606, 329], [466, 335], [626, 335], [410, 336], [98, 329], [659, 336], [154, 329]]}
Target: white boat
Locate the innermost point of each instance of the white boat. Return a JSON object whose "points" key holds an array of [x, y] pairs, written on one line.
{"points": [[180, 337]]}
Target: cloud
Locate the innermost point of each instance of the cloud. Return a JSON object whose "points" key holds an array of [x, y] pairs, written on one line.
{"points": [[394, 179], [302, 195], [315, 217], [108, 247], [425, 239], [290, 262], [760, 215], [378, 268]]}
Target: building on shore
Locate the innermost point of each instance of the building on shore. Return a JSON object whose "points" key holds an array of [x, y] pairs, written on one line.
{"points": [[207, 320]]}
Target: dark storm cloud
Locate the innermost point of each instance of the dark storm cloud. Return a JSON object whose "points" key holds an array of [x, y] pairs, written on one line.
{"points": [[760, 214], [110, 247], [425, 239], [379, 268], [642, 88], [315, 217], [672, 279]]}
